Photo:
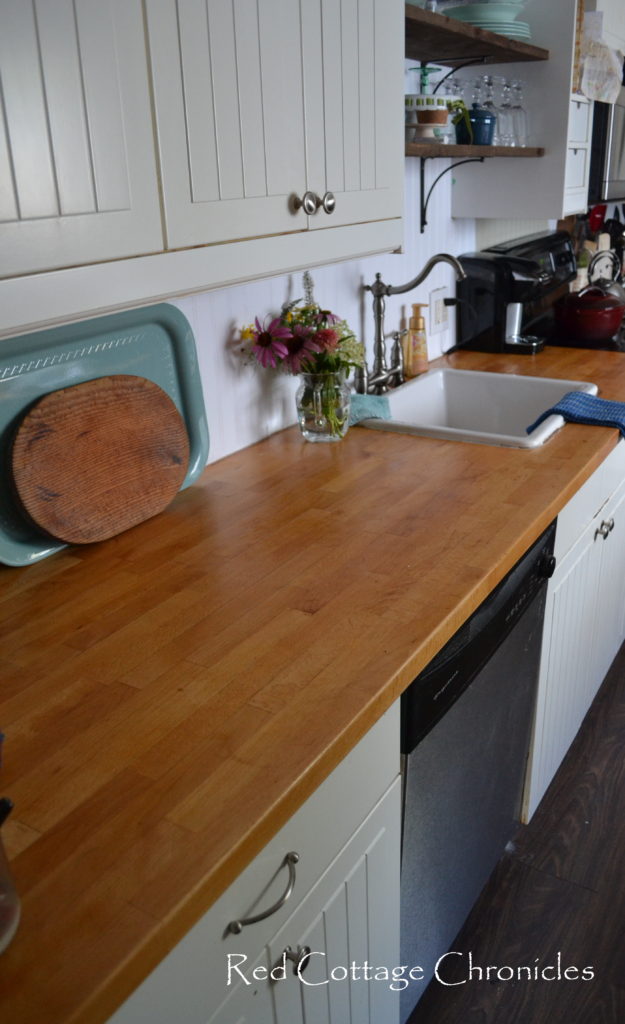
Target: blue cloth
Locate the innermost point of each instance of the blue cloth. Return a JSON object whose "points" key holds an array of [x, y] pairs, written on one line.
{"points": [[368, 407], [578, 407]]}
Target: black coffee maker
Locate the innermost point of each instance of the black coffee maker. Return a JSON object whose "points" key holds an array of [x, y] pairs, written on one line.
{"points": [[505, 304]]}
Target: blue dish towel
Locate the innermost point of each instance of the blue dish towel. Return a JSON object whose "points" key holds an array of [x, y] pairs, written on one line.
{"points": [[368, 407], [578, 407]]}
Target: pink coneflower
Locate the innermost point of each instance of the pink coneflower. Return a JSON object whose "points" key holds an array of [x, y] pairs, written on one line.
{"points": [[269, 342], [301, 346], [328, 339]]}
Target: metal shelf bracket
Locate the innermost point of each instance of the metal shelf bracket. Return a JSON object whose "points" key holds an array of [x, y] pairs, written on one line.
{"points": [[424, 202]]}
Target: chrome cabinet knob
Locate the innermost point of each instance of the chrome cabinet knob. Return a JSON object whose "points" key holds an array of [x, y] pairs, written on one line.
{"points": [[299, 958], [607, 525], [329, 202], [309, 203]]}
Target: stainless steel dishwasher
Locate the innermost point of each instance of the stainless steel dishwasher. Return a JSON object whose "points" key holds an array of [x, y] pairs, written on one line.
{"points": [[466, 726]]}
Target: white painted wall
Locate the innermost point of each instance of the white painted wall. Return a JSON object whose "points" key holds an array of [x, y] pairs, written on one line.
{"points": [[246, 403]]}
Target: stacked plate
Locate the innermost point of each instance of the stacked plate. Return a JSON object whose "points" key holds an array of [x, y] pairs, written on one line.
{"points": [[496, 16]]}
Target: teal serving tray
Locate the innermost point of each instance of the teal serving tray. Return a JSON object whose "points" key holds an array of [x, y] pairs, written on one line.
{"points": [[155, 342]]}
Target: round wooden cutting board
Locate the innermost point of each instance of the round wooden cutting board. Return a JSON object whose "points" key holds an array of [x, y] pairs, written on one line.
{"points": [[94, 459]]}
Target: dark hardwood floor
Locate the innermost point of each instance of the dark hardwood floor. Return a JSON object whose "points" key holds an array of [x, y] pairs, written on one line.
{"points": [[556, 900]]}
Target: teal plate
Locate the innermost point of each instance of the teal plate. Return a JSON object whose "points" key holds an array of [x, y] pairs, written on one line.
{"points": [[155, 342]]}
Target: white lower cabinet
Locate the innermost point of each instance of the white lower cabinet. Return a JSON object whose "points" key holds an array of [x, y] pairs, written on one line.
{"points": [[584, 620], [343, 906], [349, 920]]}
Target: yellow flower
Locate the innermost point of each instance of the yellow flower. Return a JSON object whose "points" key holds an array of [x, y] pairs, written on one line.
{"points": [[247, 333]]}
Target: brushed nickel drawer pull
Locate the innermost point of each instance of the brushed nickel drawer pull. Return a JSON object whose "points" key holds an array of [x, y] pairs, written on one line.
{"points": [[236, 927]]}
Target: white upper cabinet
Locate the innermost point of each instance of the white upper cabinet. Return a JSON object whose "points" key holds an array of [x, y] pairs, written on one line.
{"points": [[77, 164], [183, 133], [260, 101]]}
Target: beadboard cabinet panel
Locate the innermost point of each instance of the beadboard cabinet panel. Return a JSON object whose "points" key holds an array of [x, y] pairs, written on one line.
{"points": [[181, 135], [77, 158], [584, 619], [365, 182], [222, 182], [351, 917], [261, 102]]}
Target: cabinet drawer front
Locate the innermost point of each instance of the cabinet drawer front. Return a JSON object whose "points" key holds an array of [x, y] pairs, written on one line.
{"points": [[589, 500], [576, 167], [580, 120], [318, 831]]}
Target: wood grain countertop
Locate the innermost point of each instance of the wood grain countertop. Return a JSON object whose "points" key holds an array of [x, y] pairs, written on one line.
{"points": [[171, 696]]}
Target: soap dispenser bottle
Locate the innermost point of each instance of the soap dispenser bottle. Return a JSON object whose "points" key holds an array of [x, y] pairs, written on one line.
{"points": [[415, 343]]}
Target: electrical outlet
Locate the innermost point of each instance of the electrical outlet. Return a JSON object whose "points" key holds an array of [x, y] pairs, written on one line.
{"points": [[439, 318]]}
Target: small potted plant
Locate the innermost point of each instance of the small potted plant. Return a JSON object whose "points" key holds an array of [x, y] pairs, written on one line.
{"points": [[460, 116]]}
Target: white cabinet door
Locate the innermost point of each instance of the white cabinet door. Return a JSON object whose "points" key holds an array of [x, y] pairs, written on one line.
{"points": [[259, 102], [351, 49], [610, 622], [567, 670], [351, 917], [77, 164], [229, 98], [584, 619]]}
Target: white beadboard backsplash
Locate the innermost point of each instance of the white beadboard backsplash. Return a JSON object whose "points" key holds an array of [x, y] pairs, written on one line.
{"points": [[246, 403], [490, 232]]}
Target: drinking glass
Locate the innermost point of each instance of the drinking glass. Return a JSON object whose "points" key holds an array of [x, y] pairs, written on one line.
{"points": [[505, 130], [488, 103], [520, 121], [477, 92]]}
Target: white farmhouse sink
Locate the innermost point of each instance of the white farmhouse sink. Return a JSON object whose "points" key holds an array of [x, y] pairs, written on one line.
{"points": [[485, 408]]}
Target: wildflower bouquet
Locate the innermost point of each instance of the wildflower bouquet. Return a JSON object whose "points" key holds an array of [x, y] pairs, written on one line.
{"points": [[305, 339]]}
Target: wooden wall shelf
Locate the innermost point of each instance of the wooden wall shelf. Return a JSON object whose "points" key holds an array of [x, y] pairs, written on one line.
{"points": [[441, 40], [435, 149]]}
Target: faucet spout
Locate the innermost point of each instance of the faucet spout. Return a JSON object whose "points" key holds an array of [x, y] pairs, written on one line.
{"points": [[440, 257], [383, 376]]}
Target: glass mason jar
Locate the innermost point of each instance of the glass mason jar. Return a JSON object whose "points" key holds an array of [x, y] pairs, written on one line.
{"points": [[323, 401]]}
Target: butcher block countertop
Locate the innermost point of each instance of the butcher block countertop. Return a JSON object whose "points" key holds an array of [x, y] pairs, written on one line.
{"points": [[170, 697]]}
